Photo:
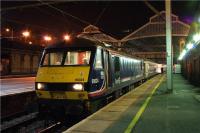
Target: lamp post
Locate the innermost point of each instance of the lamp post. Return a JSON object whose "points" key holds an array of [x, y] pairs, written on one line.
{"points": [[8, 30]]}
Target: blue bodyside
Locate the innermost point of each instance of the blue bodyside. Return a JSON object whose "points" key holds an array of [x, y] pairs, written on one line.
{"points": [[96, 74]]}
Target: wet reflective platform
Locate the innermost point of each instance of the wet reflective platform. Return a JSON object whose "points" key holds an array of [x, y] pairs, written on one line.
{"points": [[149, 108], [11, 86]]}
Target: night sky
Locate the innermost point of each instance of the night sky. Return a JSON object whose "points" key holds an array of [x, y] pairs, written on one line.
{"points": [[115, 18]]}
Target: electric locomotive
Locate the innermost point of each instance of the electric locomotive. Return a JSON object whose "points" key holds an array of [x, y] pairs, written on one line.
{"points": [[78, 75]]}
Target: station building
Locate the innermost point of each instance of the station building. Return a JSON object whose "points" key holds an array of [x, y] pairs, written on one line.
{"points": [[19, 58]]}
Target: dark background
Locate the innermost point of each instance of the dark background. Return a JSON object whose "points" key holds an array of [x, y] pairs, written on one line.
{"points": [[116, 18]]}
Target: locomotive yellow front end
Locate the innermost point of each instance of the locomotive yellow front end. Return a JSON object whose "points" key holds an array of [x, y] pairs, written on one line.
{"points": [[62, 82], [62, 78]]}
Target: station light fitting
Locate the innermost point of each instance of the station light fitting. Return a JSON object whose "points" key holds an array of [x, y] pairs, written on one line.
{"points": [[47, 38], [26, 33], [195, 40], [183, 53], [180, 58], [30, 42], [190, 46], [67, 37], [7, 30], [196, 37], [106, 44]]}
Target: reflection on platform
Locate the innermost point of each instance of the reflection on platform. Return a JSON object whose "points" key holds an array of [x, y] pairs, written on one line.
{"points": [[16, 85]]}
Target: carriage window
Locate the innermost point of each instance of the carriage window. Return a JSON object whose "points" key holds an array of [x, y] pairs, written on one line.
{"points": [[77, 58], [98, 59]]}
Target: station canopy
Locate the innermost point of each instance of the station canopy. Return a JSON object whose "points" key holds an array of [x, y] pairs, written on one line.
{"points": [[149, 41], [151, 37], [93, 33]]}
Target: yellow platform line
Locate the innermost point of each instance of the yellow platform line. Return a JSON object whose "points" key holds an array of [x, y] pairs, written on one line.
{"points": [[141, 110]]}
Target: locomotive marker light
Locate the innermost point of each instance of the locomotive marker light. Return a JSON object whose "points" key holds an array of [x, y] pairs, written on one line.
{"points": [[78, 87], [40, 86]]}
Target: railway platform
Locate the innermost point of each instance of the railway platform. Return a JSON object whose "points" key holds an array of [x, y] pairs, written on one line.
{"points": [[149, 108], [17, 96], [16, 85]]}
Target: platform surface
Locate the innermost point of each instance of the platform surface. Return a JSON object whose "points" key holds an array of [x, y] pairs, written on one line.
{"points": [[148, 109], [16, 85]]}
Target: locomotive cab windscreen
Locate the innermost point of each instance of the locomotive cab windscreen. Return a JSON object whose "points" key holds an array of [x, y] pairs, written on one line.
{"points": [[66, 58]]}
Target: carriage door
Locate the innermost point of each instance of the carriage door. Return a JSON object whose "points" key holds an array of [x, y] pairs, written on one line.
{"points": [[117, 69], [106, 67]]}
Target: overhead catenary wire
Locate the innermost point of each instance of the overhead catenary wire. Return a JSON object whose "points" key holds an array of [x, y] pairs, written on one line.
{"points": [[30, 6], [68, 14], [42, 3], [63, 12], [33, 25], [53, 15], [153, 9], [100, 15], [22, 23]]}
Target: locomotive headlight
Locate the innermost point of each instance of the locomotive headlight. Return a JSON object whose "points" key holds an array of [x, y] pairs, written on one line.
{"points": [[78, 87], [40, 86]]}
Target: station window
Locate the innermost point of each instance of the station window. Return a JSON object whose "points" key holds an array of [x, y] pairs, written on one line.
{"points": [[98, 59]]}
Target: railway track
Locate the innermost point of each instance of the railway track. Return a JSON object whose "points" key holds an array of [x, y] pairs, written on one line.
{"points": [[34, 123]]}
